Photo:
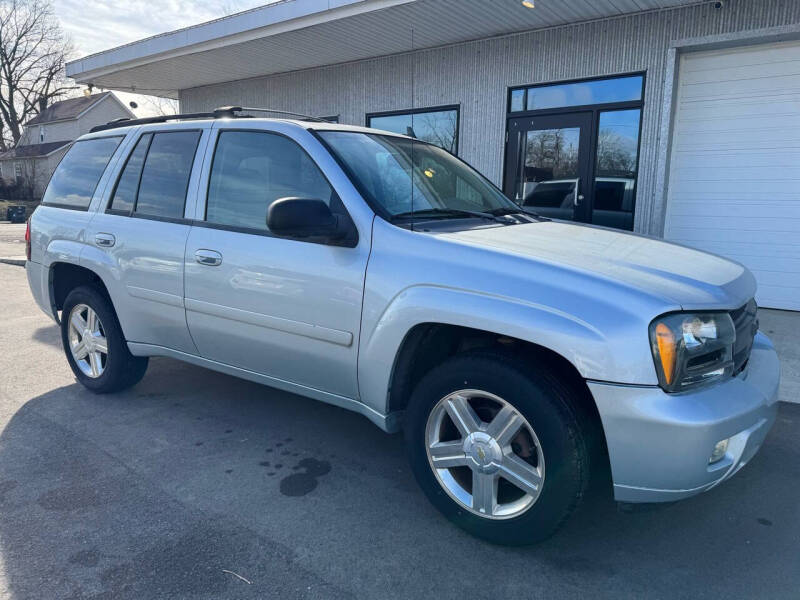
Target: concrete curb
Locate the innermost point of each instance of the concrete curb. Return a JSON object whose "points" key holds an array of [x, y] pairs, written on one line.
{"points": [[19, 262]]}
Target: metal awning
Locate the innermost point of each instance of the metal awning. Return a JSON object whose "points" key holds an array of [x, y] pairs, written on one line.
{"points": [[300, 34]]}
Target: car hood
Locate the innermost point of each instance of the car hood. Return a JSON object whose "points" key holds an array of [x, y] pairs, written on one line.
{"points": [[691, 278]]}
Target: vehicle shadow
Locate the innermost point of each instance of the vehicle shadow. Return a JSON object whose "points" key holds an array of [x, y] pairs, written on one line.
{"points": [[193, 480], [50, 334]]}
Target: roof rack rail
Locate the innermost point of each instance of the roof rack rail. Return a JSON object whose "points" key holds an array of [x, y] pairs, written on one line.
{"points": [[303, 117], [223, 112], [218, 113]]}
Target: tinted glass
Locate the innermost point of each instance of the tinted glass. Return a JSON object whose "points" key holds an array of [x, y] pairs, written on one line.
{"points": [[79, 172], [403, 180], [165, 177], [437, 127], [517, 100], [551, 171], [583, 93], [615, 179], [253, 169], [128, 184]]}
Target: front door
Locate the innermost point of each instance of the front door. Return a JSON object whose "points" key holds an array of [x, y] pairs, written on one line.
{"points": [[547, 166], [288, 309]]}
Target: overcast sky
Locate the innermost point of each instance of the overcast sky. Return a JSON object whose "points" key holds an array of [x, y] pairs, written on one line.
{"points": [[96, 25]]}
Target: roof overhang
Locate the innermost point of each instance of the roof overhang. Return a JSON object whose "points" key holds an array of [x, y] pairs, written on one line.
{"points": [[290, 35]]}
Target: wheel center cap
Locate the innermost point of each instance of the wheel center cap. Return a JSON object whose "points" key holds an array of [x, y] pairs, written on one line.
{"points": [[483, 451]]}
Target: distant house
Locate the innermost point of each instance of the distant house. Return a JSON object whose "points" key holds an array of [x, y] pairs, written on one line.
{"points": [[48, 134]]}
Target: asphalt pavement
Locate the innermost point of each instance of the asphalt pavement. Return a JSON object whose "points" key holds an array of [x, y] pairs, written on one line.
{"points": [[12, 242], [194, 484]]}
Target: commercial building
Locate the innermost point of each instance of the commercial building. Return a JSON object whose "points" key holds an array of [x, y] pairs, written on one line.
{"points": [[672, 118]]}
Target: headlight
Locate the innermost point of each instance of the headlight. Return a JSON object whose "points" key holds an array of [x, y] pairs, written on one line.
{"points": [[692, 349]]}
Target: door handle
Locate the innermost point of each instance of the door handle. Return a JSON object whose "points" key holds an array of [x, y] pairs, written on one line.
{"points": [[210, 258], [576, 198], [106, 240]]}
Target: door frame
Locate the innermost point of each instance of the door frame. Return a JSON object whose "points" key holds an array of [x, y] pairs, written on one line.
{"points": [[594, 109], [572, 120]]}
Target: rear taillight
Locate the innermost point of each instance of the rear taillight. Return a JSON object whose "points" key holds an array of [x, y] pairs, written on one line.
{"points": [[28, 239]]}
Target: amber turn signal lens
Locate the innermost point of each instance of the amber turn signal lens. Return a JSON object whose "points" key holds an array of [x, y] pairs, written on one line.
{"points": [[666, 351]]}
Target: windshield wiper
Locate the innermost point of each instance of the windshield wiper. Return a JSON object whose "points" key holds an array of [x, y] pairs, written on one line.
{"points": [[516, 211], [450, 212]]}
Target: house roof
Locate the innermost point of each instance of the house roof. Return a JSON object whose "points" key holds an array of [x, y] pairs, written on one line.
{"points": [[298, 34], [33, 150], [70, 108]]}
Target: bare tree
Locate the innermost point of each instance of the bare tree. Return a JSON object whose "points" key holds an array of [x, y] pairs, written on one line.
{"points": [[158, 106], [33, 52], [437, 130], [616, 154]]}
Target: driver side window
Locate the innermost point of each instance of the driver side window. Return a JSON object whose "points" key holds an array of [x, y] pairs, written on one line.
{"points": [[253, 169]]}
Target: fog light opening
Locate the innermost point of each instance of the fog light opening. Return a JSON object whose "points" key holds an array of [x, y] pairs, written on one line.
{"points": [[718, 453]]}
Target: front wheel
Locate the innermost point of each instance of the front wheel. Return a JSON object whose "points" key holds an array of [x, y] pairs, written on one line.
{"points": [[94, 343], [497, 447]]}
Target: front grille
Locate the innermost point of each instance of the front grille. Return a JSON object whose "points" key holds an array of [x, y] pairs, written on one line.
{"points": [[745, 320]]}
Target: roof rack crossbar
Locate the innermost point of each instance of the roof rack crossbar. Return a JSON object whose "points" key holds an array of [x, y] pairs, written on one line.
{"points": [[223, 112], [285, 112]]}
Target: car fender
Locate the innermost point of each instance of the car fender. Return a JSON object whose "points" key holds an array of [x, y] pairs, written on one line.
{"points": [[579, 342]]}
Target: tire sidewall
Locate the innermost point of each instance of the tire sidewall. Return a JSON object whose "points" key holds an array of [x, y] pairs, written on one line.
{"points": [[117, 348], [541, 401]]}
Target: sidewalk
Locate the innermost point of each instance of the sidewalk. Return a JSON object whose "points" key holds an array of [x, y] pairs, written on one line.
{"points": [[12, 243], [783, 328]]}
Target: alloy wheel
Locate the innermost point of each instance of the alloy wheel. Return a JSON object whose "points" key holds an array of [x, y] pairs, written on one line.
{"points": [[485, 454], [87, 341]]}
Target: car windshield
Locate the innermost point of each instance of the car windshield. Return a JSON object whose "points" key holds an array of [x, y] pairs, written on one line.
{"points": [[410, 178]]}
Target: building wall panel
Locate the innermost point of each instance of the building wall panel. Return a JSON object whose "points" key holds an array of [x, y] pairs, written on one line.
{"points": [[476, 75]]}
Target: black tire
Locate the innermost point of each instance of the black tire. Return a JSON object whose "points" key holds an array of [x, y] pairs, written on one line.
{"points": [[122, 369], [550, 407]]}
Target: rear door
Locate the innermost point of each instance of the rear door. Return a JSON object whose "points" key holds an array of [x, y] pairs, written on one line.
{"points": [[141, 230], [285, 308]]}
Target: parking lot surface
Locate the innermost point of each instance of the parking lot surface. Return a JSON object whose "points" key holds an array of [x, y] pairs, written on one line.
{"points": [[12, 240], [194, 484]]}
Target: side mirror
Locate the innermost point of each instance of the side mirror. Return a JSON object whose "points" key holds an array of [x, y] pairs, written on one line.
{"points": [[306, 218]]}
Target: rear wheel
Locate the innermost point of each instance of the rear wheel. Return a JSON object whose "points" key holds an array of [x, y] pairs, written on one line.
{"points": [[94, 344], [497, 447]]}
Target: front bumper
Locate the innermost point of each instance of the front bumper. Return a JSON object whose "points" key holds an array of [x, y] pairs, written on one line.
{"points": [[659, 444]]}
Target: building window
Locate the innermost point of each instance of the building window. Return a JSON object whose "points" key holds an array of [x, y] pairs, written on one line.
{"points": [[573, 149], [18, 169], [579, 93], [438, 125], [41, 134]]}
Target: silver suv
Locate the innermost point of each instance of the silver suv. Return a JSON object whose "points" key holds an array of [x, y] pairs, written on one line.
{"points": [[521, 356]]}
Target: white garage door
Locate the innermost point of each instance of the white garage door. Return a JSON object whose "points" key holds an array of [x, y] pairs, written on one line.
{"points": [[734, 186]]}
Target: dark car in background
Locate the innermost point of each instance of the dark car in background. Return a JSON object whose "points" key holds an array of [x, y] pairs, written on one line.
{"points": [[16, 214]]}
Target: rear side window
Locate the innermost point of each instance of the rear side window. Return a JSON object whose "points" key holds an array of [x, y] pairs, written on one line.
{"points": [[155, 179], [76, 178], [128, 185], [165, 177], [251, 170]]}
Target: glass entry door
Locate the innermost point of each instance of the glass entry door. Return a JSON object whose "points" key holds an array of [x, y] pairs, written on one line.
{"points": [[548, 164]]}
